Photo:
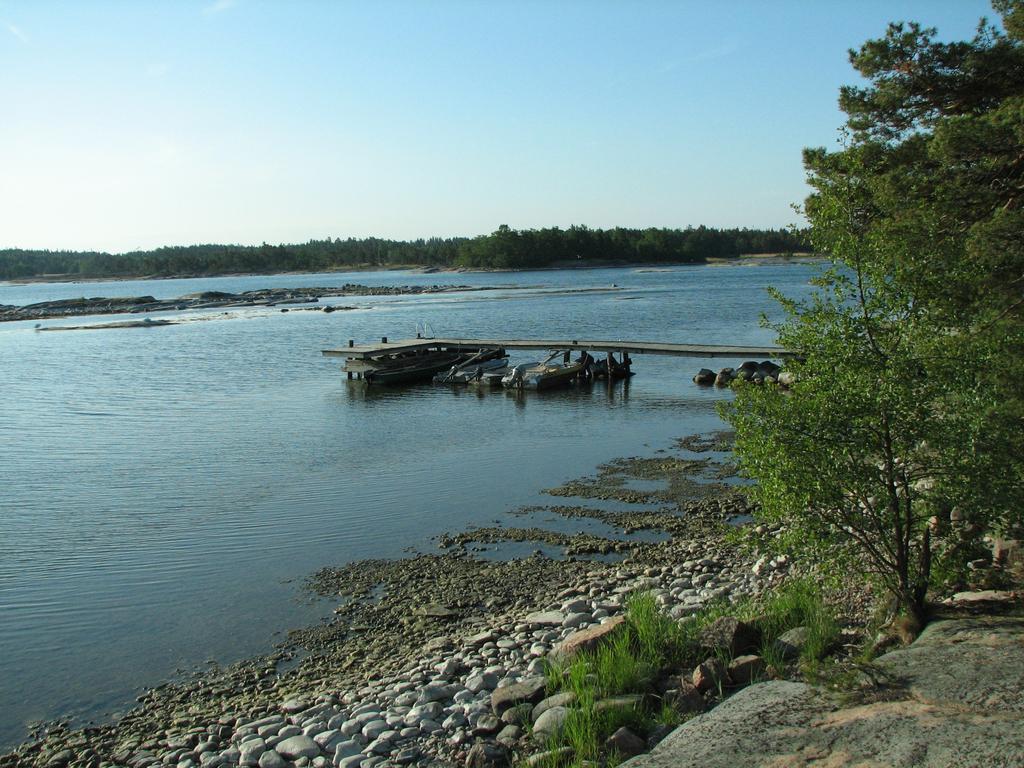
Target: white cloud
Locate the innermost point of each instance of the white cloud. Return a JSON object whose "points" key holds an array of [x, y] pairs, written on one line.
{"points": [[218, 6], [17, 31]]}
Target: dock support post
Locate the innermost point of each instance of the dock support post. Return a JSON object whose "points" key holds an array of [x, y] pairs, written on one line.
{"points": [[349, 374], [611, 366], [566, 356]]}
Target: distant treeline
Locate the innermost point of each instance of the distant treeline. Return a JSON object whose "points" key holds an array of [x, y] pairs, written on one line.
{"points": [[504, 249]]}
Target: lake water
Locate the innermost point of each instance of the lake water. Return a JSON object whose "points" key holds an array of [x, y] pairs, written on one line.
{"points": [[164, 492]]}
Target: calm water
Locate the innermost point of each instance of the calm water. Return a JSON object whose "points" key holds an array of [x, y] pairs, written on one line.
{"points": [[164, 491]]}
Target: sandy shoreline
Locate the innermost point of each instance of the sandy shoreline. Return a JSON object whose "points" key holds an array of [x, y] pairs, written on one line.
{"points": [[391, 614]]}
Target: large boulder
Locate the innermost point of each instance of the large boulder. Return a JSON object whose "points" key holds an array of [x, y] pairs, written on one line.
{"points": [[952, 699]]}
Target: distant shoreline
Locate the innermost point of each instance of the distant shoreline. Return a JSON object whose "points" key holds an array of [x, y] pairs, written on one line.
{"points": [[777, 258]]}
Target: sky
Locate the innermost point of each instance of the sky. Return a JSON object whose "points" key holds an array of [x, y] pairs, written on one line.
{"points": [[131, 125]]}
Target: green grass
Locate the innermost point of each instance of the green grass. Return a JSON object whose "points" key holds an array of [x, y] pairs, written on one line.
{"points": [[798, 603], [652, 644]]}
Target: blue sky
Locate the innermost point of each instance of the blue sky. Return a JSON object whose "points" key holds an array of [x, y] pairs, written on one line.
{"points": [[136, 124]]}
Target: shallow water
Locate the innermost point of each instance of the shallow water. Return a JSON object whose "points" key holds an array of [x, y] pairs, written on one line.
{"points": [[166, 490]]}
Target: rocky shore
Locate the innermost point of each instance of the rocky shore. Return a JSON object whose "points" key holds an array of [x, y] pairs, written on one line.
{"points": [[266, 297], [434, 657]]}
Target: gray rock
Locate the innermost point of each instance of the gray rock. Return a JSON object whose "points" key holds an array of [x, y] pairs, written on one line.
{"points": [[587, 639], [435, 692], [374, 728], [477, 640], [708, 674], [574, 620], [576, 606], [563, 699], [704, 376], [509, 735], [551, 757], [430, 726], [484, 681], [952, 699], [529, 690], [249, 751], [327, 739], [685, 698], [744, 670], [625, 743], [488, 755], [352, 761], [351, 727], [297, 746], [487, 725], [792, 643], [730, 635], [546, 618], [520, 714], [271, 759], [292, 706], [407, 755], [346, 749], [550, 723]]}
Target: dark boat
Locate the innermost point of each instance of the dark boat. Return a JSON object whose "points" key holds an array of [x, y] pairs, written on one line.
{"points": [[414, 366]]}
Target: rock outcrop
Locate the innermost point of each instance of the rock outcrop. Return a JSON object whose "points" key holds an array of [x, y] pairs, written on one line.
{"points": [[953, 698]]}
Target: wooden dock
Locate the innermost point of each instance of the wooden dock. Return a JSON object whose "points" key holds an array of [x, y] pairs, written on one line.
{"points": [[365, 360], [385, 347]]}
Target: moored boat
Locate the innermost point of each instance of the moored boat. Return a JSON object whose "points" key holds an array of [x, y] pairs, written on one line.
{"points": [[473, 369], [418, 366], [543, 375]]}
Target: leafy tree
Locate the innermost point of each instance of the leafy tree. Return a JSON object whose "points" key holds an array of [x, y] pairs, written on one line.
{"points": [[907, 402]]}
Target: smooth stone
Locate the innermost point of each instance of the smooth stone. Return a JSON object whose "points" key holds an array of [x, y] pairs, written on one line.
{"points": [[297, 746], [486, 725], [271, 759], [486, 754], [625, 743], [791, 643], [485, 681], [434, 692], [573, 620], [293, 706], [374, 728], [529, 690], [744, 670], [563, 699], [587, 639], [546, 618], [346, 749], [249, 751], [550, 723]]}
